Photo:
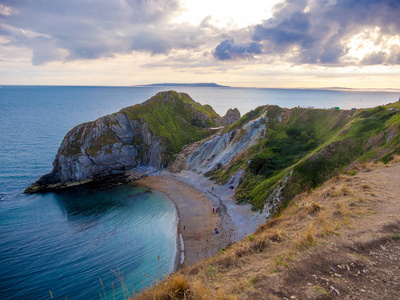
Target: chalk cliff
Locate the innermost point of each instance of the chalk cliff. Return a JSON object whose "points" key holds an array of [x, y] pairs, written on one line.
{"points": [[149, 134]]}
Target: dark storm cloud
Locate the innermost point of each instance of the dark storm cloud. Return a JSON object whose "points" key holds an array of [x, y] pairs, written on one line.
{"points": [[85, 29], [319, 31], [227, 49]]}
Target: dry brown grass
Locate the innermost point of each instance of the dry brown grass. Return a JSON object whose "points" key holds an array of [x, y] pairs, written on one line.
{"points": [[179, 286], [308, 222], [396, 158]]}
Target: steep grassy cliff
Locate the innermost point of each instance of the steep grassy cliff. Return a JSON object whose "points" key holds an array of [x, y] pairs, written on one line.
{"points": [[298, 149]]}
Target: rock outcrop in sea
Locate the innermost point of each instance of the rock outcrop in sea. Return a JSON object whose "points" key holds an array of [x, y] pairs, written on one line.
{"points": [[144, 135]]}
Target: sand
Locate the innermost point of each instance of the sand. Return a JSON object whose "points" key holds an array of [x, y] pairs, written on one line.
{"points": [[195, 197]]}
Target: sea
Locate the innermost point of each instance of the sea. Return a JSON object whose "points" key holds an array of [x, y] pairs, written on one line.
{"points": [[91, 243]]}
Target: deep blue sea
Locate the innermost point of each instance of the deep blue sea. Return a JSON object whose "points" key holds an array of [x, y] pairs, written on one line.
{"points": [[66, 242]]}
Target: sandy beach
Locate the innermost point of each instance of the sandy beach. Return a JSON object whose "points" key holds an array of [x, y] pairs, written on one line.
{"points": [[195, 197]]}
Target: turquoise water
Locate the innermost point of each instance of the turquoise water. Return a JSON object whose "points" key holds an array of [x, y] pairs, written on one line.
{"points": [[64, 242]]}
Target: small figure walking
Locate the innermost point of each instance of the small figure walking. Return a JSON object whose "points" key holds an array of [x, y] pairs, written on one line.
{"points": [[184, 227], [213, 209]]}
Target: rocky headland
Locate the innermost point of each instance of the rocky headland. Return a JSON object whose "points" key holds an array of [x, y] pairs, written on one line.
{"points": [[146, 135]]}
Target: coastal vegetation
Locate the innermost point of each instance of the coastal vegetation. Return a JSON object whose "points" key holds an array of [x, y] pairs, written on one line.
{"points": [[312, 145], [176, 118]]}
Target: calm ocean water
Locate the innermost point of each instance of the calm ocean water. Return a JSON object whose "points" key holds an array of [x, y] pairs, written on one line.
{"points": [[64, 242]]}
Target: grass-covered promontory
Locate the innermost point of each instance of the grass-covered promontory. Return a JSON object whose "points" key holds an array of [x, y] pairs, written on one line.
{"points": [[147, 135], [175, 118]]}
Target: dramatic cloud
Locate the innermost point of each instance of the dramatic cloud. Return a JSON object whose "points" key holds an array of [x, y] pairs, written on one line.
{"points": [[313, 42], [229, 50], [83, 29], [326, 32]]}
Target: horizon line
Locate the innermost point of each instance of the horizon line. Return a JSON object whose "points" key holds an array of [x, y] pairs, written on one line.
{"points": [[372, 89]]}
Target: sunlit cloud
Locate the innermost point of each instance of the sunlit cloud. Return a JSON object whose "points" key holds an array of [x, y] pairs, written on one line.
{"points": [[6, 10], [332, 32]]}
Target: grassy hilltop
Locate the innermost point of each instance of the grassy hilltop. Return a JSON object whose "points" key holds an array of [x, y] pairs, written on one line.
{"points": [[176, 118]]}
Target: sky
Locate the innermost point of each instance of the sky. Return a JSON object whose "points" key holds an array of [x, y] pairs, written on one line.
{"points": [[253, 43]]}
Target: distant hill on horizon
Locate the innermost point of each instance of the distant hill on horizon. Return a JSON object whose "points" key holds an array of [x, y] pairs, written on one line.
{"points": [[185, 84]]}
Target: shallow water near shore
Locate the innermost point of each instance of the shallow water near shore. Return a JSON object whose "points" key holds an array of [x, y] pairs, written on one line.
{"points": [[64, 242]]}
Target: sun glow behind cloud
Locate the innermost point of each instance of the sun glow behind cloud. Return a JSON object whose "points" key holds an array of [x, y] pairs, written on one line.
{"points": [[226, 13], [370, 41]]}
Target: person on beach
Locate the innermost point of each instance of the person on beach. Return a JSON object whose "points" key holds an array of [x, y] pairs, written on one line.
{"points": [[213, 209], [184, 227]]}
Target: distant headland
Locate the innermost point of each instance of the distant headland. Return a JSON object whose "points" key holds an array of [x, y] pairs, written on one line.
{"points": [[185, 84]]}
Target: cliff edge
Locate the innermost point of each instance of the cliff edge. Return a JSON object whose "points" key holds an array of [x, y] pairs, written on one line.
{"points": [[144, 135]]}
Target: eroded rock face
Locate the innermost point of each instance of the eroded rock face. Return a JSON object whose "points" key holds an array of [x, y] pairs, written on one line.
{"points": [[231, 116], [110, 145], [146, 134], [220, 150], [275, 197]]}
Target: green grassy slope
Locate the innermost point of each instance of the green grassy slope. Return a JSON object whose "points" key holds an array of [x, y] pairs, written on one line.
{"points": [[175, 117], [315, 144]]}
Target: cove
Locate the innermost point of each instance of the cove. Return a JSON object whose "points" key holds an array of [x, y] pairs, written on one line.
{"points": [[67, 241]]}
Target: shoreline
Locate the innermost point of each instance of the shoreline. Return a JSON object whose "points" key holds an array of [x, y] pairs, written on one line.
{"points": [[195, 197], [196, 221]]}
